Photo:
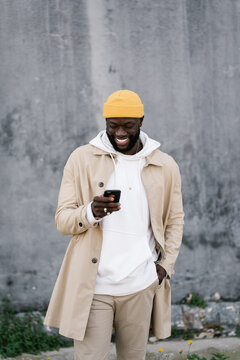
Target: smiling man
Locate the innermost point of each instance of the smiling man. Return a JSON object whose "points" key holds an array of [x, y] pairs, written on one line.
{"points": [[123, 134], [118, 264]]}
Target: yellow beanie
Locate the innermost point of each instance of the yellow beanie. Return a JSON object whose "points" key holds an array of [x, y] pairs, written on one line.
{"points": [[123, 103]]}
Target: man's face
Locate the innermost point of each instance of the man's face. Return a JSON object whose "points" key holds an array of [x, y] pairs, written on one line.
{"points": [[123, 133]]}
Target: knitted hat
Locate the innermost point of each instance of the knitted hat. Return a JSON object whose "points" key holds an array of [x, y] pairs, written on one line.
{"points": [[123, 103]]}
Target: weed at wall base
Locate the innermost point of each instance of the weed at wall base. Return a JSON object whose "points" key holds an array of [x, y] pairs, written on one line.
{"points": [[25, 335]]}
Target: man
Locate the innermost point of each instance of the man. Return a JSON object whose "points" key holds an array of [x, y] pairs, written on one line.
{"points": [[117, 267]]}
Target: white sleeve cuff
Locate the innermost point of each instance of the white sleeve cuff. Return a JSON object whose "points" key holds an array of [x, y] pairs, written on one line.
{"points": [[89, 215]]}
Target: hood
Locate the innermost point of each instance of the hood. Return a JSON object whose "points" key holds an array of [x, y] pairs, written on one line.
{"points": [[102, 142]]}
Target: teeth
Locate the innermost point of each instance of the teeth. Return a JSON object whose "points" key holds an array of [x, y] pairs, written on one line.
{"points": [[121, 140]]}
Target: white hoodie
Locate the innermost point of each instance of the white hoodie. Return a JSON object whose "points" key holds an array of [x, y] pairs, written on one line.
{"points": [[128, 251]]}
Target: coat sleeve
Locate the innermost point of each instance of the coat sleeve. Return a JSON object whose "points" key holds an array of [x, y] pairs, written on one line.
{"points": [[174, 226], [70, 217]]}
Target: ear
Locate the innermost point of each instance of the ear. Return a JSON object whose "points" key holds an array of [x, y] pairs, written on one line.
{"points": [[141, 121]]}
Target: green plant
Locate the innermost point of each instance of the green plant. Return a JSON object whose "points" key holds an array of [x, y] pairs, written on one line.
{"points": [[175, 332], [195, 357], [184, 334], [238, 331], [26, 334], [196, 300], [215, 356], [218, 356], [188, 334]]}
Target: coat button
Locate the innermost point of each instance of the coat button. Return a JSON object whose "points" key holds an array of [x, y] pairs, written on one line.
{"points": [[80, 224], [101, 184], [94, 260]]}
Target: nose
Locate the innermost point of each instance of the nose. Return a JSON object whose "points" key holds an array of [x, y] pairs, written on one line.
{"points": [[120, 132]]}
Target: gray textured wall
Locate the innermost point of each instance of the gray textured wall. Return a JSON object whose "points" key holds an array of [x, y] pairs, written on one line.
{"points": [[59, 60]]}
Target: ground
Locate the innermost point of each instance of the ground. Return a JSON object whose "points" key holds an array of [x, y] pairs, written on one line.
{"points": [[229, 346]]}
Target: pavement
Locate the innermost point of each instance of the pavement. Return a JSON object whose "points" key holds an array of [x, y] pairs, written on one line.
{"points": [[226, 345]]}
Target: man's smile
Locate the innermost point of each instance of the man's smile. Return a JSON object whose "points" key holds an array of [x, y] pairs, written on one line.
{"points": [[121, 141]]}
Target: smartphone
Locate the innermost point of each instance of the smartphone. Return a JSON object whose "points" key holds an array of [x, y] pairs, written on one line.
{"points": [[116, 193]]}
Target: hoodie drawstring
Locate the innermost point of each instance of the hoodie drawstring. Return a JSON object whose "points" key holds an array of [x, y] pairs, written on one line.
{"points": [[114, 163]]}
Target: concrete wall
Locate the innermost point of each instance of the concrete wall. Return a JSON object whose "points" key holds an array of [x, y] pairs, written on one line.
{"points": [[59, 60]]}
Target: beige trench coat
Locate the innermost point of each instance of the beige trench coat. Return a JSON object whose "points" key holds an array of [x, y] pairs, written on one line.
{"points": [[85, 175]]}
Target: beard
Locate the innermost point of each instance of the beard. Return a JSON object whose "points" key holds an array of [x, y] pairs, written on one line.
{"points": [[133, 140]]}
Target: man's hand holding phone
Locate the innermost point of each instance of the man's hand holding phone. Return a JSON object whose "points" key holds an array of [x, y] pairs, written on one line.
{"points": [[106, 204]]}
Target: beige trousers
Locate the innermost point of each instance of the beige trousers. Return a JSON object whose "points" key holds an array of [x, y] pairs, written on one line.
{"points": [[130, 315]]}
